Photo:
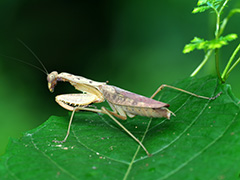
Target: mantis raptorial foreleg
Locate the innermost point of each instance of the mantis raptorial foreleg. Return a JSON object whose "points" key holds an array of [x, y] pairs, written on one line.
{"points": [[103, 110]]}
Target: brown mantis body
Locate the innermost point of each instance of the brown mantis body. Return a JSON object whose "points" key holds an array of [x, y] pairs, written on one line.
{"points": [[122, 102]]}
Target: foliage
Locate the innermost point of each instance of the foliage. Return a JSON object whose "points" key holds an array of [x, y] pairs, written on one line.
{"points": [[201, 142], [198, 43], [217, 6]]}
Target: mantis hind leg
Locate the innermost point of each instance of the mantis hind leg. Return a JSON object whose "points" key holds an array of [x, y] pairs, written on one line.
{"points": [[109, 113], [182, 90]]}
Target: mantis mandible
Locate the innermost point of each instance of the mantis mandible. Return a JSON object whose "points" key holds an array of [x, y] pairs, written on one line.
{"points": [[123, 103]]}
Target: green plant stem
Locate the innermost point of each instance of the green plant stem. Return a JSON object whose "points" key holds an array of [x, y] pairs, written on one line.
{"points": [[226, 70], [225, 21], [217, 25], [233, 66], [217, 50], [218, 18], [217, 35], [207, 55], [217, 64]]}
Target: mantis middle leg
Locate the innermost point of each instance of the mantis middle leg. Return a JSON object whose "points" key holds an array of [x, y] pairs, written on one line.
{"points": [[103, 110]]}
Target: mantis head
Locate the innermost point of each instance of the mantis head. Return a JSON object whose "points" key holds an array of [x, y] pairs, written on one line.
{"points": [[52, 80]]}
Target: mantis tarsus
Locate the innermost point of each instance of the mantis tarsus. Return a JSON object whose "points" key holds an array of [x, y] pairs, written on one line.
{"points": [[122, 102]]}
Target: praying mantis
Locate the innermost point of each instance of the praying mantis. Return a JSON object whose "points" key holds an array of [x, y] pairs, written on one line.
{"points": [[122, 102]]}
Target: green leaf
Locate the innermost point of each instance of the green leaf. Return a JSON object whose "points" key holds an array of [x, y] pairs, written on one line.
{"points": [[229, 37], [204, 5], [201, 142], [200, 9], [223, 40], [201, 2], [233, 11], [195, 43], [198, 43], [212, 3]]}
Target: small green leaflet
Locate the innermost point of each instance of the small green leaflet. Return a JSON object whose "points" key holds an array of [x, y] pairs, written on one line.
{"points": [[204, 5], [198, 43]]}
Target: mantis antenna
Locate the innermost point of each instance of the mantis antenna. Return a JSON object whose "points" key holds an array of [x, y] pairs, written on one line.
{"points": [[45, 69]]}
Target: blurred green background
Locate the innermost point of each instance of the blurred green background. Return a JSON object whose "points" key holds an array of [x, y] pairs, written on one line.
{"points": [[134, 45]]}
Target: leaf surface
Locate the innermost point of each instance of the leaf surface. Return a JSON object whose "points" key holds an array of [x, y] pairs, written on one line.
{"points": [[201, 142]]}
